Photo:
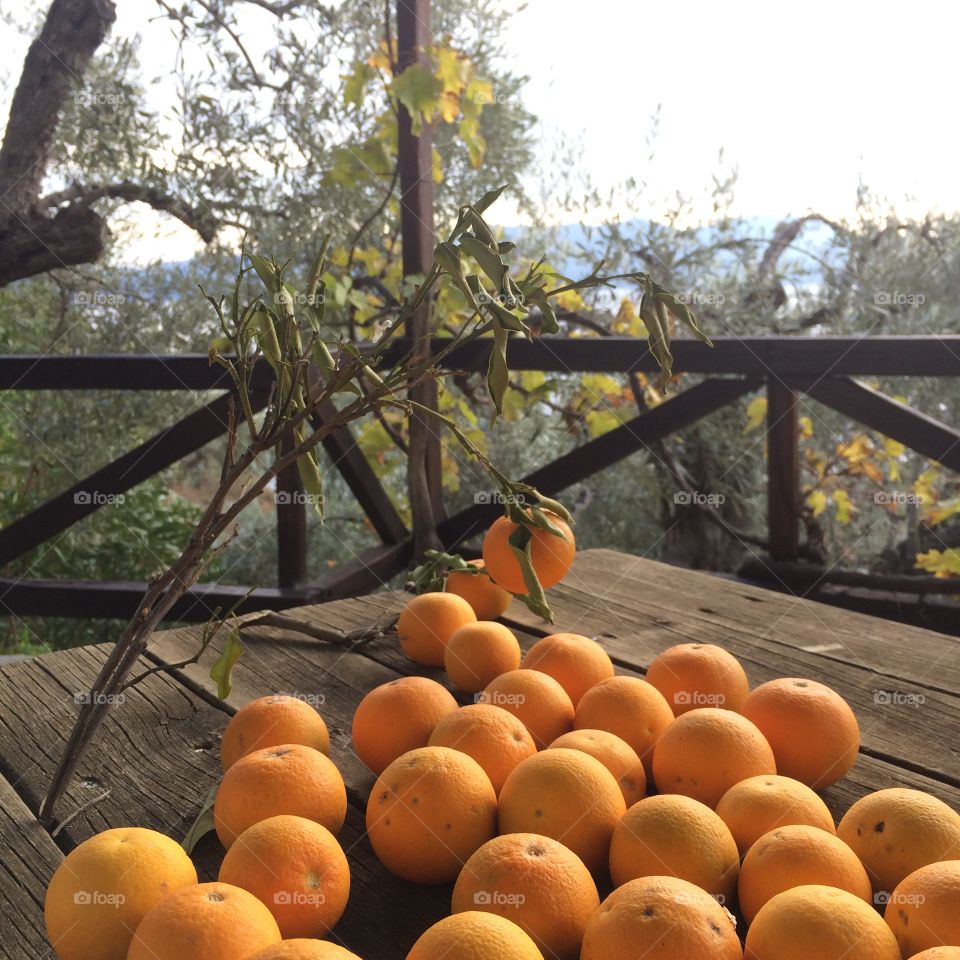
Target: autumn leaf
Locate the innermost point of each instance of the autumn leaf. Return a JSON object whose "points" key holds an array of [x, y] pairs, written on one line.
{"points": [[419, 91], [806, 427], [941, 563], [817, 501], [842, 502], [756, 415]]}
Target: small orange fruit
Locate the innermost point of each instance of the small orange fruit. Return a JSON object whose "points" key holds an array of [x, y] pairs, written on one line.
{"points": [[428, 812], [662, 917], [551, 556], [477, 653], [289, 778], [938, 953], [675, 836], [615, 754], [629, 707], [474, 936], [923, 911], [703, 753], [567, 795], [795, 856], [537, 883], [299, 949], [692, 675], [577, 663], [815, 922], [294, 866], [496, 739], [757, 805], [105, 887], [427, 622], [270, 722], [534, 698], [211, 920], [487, 599], [897, 831], [811, 728], [398, 716]]}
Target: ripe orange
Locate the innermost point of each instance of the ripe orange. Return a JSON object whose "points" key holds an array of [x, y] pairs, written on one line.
{"points": [[474, 936], [534, 698], [294, 866], [426, 623], [923, 911], [938, 953], [757, 805], [300, 949], [795, 856], [577, 663], [897, 831], [692, 675], [811, 728], [819, 923], [487, 599], [270, 722], [567, 795], [661, 917], [629, 707], [211, 920], [675, 836], [477, 653], [537, 883], [551, 556], [615, 754], [703, 753], [428, 812], [398, 716], [496, 739], [105, 886], [289, 778]]}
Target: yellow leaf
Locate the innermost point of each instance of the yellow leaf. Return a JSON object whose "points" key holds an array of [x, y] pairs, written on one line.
{"points": [[942, 564], [871, 469], [756, 415], [806, 427], [817, 501], [939, 512], [601, 421], [453, 69], [894, 448], [449, 106], [841, 500]]}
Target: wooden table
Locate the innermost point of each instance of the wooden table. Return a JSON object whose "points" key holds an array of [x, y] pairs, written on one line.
{"points": [[158, 751]]}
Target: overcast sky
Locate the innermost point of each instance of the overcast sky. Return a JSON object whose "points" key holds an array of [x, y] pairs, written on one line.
{"points": [[805, 100]]}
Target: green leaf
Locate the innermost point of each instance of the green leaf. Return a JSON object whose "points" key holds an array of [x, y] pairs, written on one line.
{"points": [[490, 197], [266, 271], [222, 670], [419, 91], [534, 598], [489, 260], [358, 80], [498, 374], [203, 824]]}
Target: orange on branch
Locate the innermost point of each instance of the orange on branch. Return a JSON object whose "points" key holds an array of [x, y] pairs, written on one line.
{"points": [[551, 555]]}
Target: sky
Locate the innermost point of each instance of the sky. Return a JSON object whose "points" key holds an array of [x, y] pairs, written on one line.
{"points": [[804, 102]]}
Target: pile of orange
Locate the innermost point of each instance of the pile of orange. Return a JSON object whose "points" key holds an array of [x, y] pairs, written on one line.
{"points": [[527, 780]]}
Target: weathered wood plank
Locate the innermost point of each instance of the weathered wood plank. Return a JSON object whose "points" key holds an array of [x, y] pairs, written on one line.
{"points": [[29, 859]]}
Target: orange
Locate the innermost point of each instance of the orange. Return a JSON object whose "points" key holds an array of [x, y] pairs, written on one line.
{"points": [[629, 707], [289, 778], [815, 922], [567, 795], [938, 953], [615, 754], [428, 812], [106, 885], [551, 556], [537, 883], [477, 653], [675, 836], [474, 936], [487, 599], [692, 675], [811, 728], [922, 911], [703, 753], [661, 917], [577, 663], [496, 739], [304, 950], [211, 920], [534, 698], [426, 623], [897, 831], [794, 856], [270, 722], [295, 867], [398, 716], [757, 805]]}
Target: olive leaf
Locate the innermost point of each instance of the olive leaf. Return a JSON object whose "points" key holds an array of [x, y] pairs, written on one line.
{"points": [[535, 598], [498, 374], [429, 577], [203, 824]]}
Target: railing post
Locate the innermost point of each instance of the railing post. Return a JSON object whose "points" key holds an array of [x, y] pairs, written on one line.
{"points": [[783, 470], [291, 524]]}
